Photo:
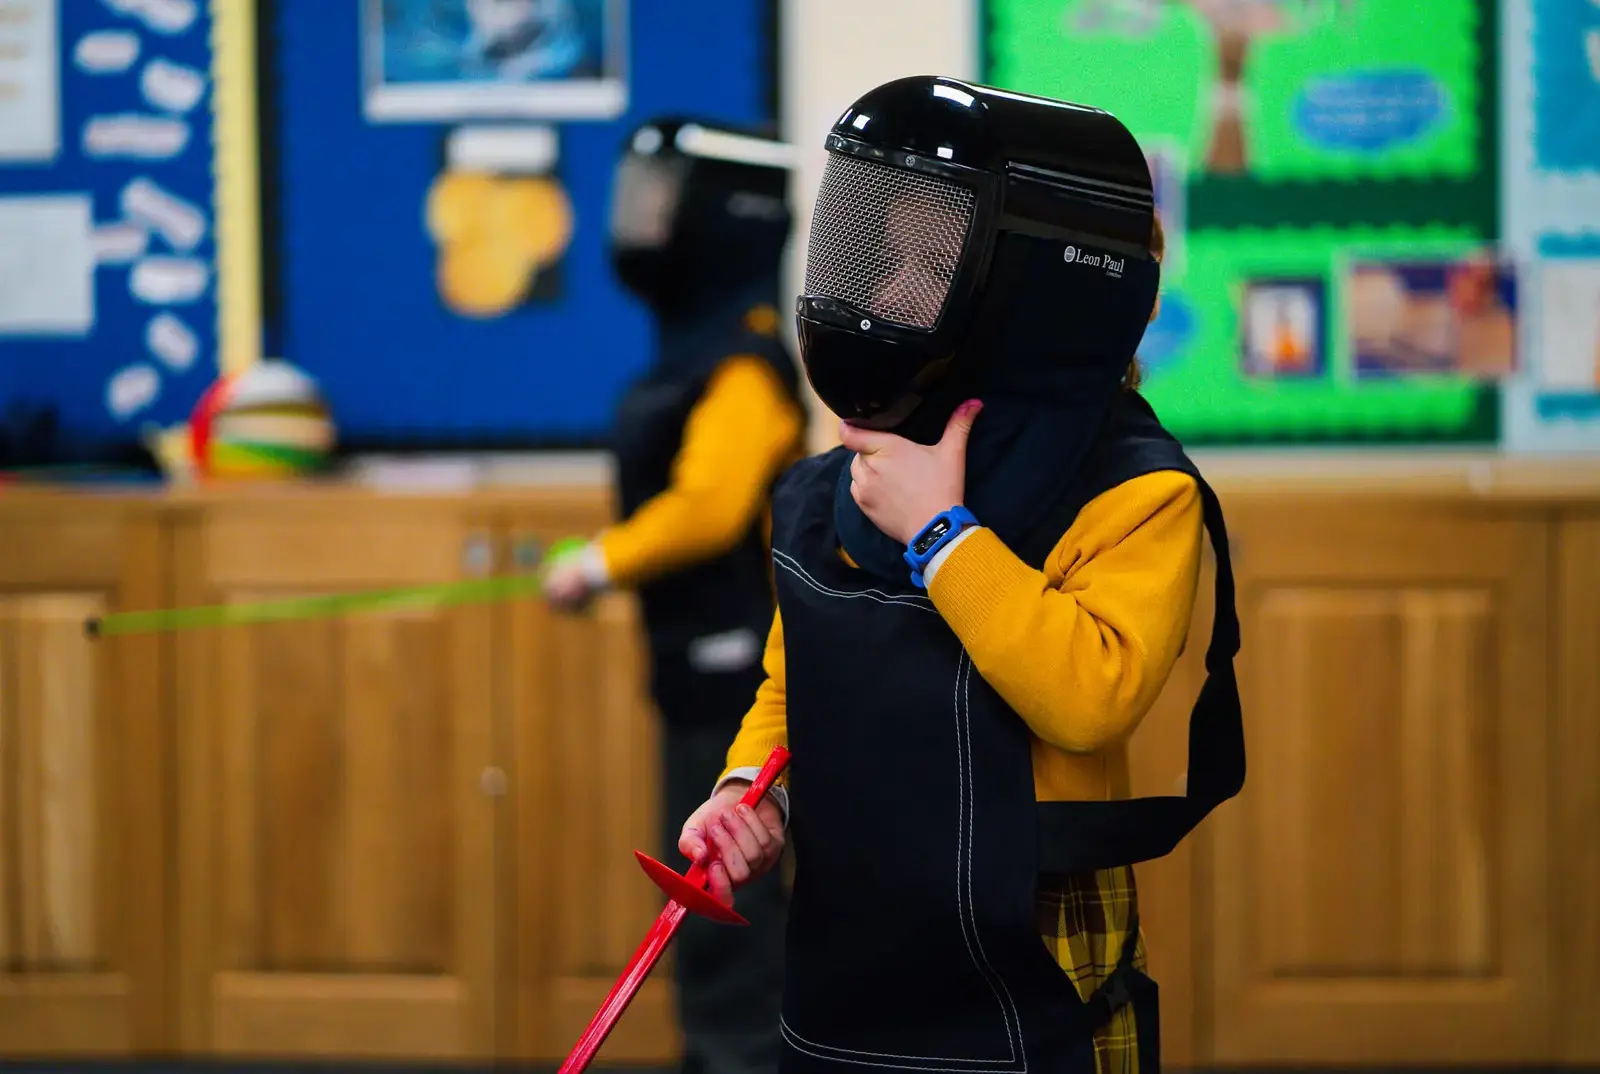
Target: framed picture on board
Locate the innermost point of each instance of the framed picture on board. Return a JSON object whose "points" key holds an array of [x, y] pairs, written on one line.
{"points": [[449, 61]]}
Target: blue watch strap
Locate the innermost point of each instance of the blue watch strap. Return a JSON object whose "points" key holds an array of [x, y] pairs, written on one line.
{"points": [[943, 528]]}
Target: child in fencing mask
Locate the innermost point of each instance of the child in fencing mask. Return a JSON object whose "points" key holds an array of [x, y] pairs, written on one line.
{"points": [[698, 226], [980, 594]]}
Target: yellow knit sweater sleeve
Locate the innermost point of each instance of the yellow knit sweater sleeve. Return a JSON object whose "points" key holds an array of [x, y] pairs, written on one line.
{"points": [[1082, 648], [742, 432], [766, 724]]}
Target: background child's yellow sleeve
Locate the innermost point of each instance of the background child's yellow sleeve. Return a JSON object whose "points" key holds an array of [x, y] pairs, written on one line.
{"points": [[1082, 649], [740, 435]]}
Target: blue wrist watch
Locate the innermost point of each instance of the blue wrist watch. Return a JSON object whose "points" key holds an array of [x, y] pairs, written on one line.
{"points": [[944, 528]]}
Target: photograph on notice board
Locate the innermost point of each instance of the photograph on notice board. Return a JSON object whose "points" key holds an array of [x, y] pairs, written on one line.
{"points": [[1438, 318], [1569, 327], [449, 60], [1283, 328]]}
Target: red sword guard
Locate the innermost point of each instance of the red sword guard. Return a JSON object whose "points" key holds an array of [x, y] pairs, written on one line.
{"points": [[685, 893]]}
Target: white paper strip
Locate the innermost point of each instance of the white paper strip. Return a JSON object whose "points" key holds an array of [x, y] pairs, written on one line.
{"points": [[162, 281], [172, 341], [132, 389], [119, 244], [171, 87], [135, 136], [106, 52], [179, 222]]}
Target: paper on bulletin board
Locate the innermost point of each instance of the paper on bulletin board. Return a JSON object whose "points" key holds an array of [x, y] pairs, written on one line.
{"points": [[1258, 347], [47, 260], [1274, 89], [1550, 209], [30, 81]]}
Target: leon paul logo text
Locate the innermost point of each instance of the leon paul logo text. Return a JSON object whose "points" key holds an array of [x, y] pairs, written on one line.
{"points": [[1112, 265]]}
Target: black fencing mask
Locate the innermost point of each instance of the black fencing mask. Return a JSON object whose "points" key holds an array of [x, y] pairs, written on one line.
{"points": [[956, 224], [697, 209]]}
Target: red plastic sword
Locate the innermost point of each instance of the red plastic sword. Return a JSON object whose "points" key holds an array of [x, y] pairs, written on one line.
{"points": [[686, 893]]}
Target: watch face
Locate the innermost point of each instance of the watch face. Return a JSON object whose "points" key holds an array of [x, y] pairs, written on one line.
{"points": [[930, 536]]}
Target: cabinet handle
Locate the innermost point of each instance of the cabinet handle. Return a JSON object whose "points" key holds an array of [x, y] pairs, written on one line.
{"points": [[526, 552], [477, 555], [492, 782]]}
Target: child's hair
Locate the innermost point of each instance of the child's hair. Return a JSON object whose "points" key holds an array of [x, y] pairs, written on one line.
{"points": [[1134, 377]]}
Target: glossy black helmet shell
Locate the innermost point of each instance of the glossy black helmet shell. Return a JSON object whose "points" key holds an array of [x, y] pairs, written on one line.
{"points": [[697, 206], [974, 164]]}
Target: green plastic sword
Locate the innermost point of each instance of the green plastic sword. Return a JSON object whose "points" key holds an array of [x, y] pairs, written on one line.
{"points": [[473, 591]]}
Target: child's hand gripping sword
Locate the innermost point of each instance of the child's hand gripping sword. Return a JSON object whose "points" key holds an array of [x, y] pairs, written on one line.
{"points": [[687, 893]]}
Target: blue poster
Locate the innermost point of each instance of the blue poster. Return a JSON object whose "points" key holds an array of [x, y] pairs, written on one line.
{"points": [[1566, 84]]}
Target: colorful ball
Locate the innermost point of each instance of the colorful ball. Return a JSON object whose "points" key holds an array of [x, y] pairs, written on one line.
{"points": [[268, 421]]}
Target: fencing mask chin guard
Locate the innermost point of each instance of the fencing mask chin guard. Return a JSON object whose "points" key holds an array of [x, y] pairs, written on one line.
{"points": [[697, 208], [949, 211]]}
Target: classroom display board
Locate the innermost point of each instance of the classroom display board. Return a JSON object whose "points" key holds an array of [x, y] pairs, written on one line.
{"points": [[1325, 175], [108, 311], [438, 182], [1550, 171], [428, 181]]}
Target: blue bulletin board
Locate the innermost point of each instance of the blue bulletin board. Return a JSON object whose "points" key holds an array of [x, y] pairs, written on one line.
{"points": [[108, 297], [516, 334], [169, 208]]}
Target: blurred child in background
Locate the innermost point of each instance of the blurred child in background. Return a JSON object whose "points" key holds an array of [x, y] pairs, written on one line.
{"points": [[699, 221]]}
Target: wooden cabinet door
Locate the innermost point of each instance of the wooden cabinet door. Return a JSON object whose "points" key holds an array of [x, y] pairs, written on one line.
{"points": [[83, 848], [337, 796], [1378, 893], [585, 793], [1575, 754]]}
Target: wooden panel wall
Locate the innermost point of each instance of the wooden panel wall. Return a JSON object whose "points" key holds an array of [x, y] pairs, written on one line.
{"points": [[1574, 910], [583, 746], [1378, 889], [337, 845], [83, 771]]}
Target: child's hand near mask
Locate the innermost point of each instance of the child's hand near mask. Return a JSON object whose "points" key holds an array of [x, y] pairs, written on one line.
{"points": [[902, 485]]}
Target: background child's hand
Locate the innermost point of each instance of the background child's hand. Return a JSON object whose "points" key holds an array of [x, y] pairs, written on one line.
{"points": [[566, 586], [743, 842], [900, 484], [574, 574]]}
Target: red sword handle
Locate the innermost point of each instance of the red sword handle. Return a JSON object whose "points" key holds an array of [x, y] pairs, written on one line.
{"points": [[656, 940], [777, 761]]}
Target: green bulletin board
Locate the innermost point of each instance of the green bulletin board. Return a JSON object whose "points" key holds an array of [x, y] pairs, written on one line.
{"points": [[1291, 140]]}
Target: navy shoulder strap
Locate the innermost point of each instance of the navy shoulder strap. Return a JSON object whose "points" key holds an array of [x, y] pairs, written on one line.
{"points": [[1131, 443], [1075, 836]]}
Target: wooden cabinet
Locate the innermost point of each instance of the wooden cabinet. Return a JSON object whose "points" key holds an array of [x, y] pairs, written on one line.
{"points": [[338, 789], [1379, 891], [83, 772], [1574, 912], [583, 746], [424, 847]]}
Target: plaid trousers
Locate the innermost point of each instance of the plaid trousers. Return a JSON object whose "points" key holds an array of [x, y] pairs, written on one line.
{"points": [[1083, 920]]}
